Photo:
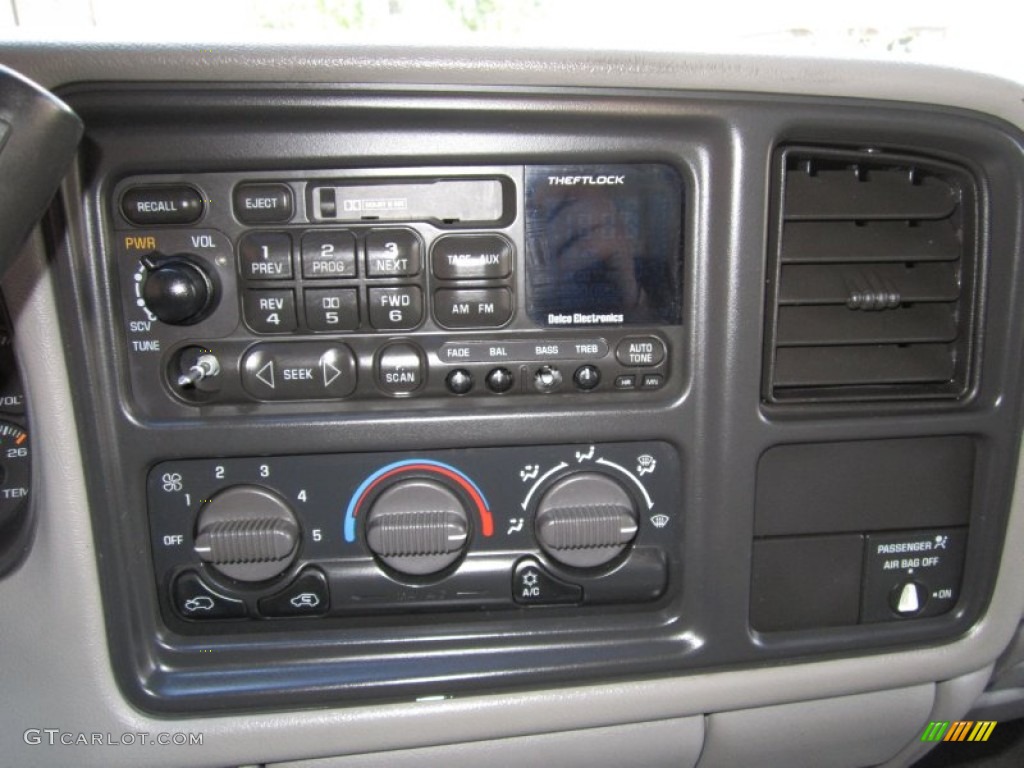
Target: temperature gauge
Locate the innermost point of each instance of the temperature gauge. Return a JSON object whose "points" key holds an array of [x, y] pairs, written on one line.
{"points": [[14, 469]]}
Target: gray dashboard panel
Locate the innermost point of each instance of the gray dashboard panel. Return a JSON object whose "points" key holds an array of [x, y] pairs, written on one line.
{"points": [[62, 675]]}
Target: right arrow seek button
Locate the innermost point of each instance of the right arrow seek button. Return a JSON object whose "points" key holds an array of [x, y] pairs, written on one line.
{"points": [[912, 575]]}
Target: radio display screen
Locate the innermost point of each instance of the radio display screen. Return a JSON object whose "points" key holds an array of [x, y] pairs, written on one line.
{"points": [[604, 245]]}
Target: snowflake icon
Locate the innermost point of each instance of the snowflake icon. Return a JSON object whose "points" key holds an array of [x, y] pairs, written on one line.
{"points": [[530, 579]]}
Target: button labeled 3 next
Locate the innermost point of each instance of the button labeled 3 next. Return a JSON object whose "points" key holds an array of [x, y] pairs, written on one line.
{"points": [[301, 371]]}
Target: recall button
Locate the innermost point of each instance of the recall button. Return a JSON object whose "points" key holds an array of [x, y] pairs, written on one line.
{"points": [[177, 204], [194, 600], [262, 203], [472, 257], [473, 308], [299, 371], [640, 351]]}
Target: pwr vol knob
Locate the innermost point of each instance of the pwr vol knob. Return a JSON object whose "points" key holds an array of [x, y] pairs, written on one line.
{"points": [[247, 533], [586, 520], [177, 290], [417, 527]]}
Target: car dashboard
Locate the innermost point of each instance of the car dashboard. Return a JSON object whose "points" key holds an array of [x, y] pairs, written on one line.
{"points": [[391, 406]]}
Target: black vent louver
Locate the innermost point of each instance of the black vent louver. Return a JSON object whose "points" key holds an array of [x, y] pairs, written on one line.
{"points": [[872, 278]]}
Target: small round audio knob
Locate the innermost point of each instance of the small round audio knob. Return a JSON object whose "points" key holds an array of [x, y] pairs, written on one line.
{"points": [[586, 520], [417, 527], [247, 533], [177, 290]]}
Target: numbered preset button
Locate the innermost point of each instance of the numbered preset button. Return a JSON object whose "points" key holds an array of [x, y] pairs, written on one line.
{"points": [[396, 308], [270, 311], [330, 254], [332, 309], [392, 253], [266, 256]]}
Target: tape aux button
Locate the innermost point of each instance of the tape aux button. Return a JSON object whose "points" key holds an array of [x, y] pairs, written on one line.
{"points": [[472, 257], [299, 371]]}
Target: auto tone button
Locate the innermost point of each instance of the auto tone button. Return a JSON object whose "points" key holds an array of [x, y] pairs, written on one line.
{"points": [[640, 351]]}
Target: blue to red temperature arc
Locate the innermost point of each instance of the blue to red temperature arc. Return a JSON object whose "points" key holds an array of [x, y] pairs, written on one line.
{"points": [[417, 465]]}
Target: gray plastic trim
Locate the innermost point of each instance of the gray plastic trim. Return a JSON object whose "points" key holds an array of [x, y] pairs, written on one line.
{"points": [[54, 638], [676, 743], [952, 701], [832, 733]]}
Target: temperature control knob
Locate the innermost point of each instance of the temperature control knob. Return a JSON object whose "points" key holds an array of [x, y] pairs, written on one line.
{"points": [[417, 527], [247, 533], [177, 290], [586, 520]]}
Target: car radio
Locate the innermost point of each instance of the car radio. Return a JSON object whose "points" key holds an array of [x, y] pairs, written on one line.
{"points": [[250, 290]]}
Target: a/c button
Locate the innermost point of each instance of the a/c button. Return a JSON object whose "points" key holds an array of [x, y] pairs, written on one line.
{"points": [[533, 585]]}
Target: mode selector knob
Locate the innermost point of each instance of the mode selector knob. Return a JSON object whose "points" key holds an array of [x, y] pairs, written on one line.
{"points": [[586, 520], [248, 533], [417, 527], [177, 290]]}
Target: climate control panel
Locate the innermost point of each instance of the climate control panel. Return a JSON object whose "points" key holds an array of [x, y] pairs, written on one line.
{"points": [[366, 534]]}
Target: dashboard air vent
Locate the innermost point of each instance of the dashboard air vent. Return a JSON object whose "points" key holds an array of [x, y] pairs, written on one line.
{"points": [[872, 277]]}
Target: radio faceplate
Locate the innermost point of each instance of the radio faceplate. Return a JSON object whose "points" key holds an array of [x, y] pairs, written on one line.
{"points": [[244, 290]]}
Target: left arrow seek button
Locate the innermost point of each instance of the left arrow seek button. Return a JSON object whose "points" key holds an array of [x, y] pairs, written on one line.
{"points": [[299, 371]]}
